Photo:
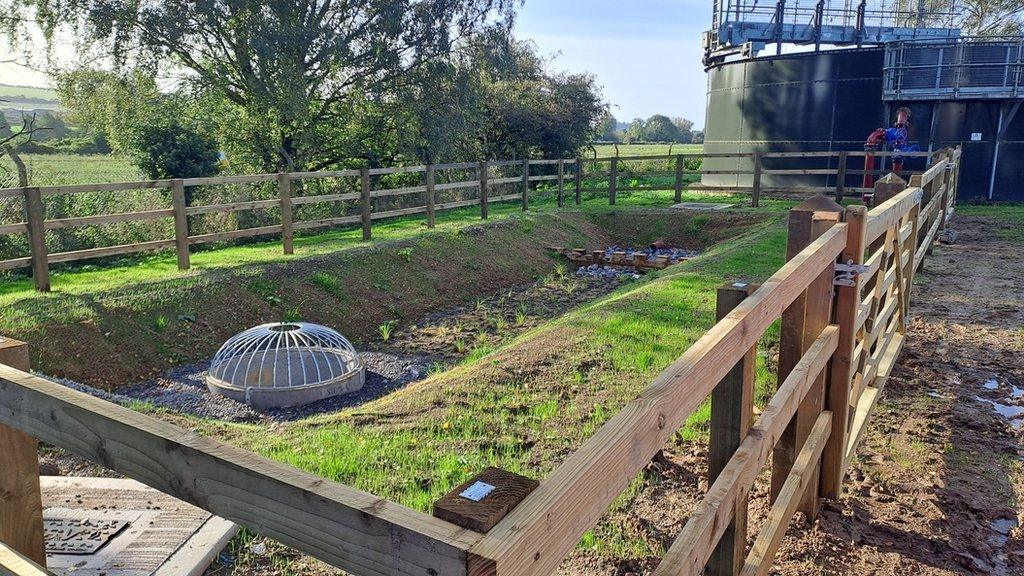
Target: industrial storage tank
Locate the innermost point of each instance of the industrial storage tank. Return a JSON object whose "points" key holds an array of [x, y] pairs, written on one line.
{"points": [[960, 91]]}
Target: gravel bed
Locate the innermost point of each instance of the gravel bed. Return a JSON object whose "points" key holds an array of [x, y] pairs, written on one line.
{"points": [[184, 390]]}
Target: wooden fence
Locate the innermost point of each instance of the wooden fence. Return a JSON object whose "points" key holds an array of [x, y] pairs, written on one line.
{"points": [[843, 299], [600, 176]]}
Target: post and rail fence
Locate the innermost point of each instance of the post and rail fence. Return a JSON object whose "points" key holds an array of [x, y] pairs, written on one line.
{"points": [[843, 298], [360, 198]]}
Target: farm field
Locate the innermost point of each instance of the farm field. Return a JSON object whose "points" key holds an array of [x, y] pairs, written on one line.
{"points": [[608, 150], [59, 169]]}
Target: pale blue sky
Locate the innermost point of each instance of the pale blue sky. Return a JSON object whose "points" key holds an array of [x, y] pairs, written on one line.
{"points": [[645, 53]]}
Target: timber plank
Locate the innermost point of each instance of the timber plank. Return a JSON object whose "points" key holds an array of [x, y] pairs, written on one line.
{"points": [[348, 528], [800, 482], [688, 554], [537, 535]]}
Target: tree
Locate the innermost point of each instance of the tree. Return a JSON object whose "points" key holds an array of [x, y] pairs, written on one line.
{"points": [[15, 135], [291, 71], [685, 128], [608, 128], [112, 106], [171, 150], [992, 17], [636, 131], [659, 128], [698, 136]]}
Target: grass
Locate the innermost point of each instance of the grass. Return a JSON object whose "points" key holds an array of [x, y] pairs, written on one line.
{"points": [[1009, 218], [8, 92], [605, 150], [61, 169], [163, 265], [498, 408]]}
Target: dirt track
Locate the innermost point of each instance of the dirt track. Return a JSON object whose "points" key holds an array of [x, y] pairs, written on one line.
{"points": [[938, 481], [936, 486]]}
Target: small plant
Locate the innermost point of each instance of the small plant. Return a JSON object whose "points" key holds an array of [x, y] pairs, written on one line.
{"points": [[500, 324], [291, 315], [561, 270], [386, 329], [161, 323], [521, 316], [480, 306], [460, 346], [327, 282], [406, 254]]}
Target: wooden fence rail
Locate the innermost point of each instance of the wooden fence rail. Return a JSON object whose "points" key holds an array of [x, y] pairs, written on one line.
{"points": [[842, 296], [606, 176]]}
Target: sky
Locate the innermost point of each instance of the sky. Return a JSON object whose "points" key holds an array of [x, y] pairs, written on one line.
{"points": [[645, 53]]}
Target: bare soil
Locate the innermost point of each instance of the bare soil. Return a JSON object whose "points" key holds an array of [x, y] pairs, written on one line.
{"points": [[937, 483]]}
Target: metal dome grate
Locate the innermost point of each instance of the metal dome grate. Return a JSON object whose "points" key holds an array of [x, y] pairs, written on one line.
{"points": [[285, 364]]}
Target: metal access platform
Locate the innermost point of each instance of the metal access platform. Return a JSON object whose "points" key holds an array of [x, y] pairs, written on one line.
{"points": [[955, 69], [745, 27]]}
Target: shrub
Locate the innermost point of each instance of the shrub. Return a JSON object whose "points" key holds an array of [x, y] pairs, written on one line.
{"points": [[171, 150]]}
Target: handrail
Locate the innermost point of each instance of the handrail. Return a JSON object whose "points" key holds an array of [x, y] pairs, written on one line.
{"points": [[348, 528], [534, 538]]}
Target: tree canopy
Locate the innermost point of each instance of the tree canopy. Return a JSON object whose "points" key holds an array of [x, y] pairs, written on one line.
{"points": [[312, 84]]}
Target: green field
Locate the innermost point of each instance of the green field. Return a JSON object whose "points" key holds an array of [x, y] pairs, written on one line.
{"points": [[606, 150], [8, 92], [61, 169]]}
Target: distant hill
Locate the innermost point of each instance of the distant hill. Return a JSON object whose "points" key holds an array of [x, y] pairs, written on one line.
{"points": [[27, 98]]}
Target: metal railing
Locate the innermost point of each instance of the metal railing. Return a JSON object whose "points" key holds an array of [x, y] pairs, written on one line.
{"points": [[832, 22], [967, 68]]}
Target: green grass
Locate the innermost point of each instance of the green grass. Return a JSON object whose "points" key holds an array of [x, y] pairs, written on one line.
{"points": [[61, 169], [605, 150], [497, 408], [1008, 219], [163, 265], [8, 92]]}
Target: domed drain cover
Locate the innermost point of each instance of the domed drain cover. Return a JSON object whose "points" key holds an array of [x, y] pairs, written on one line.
{"points": [[285, 364]]}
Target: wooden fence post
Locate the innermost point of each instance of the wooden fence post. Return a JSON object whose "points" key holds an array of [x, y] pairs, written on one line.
{"points": [[802, 323], [180, 223], [526, 185], [35, 215], [484, 192], [579, 179], [841, 177], [561, 181], [284, 188], [21, 506], [755, 199], [840, 380], [613, 181], [364, 178], [680, 164], [732, 413], [430, 196], [944, 201]]}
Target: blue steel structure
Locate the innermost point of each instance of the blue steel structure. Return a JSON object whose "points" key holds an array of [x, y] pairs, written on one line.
{"points": [[746, 27], [870, 59]]}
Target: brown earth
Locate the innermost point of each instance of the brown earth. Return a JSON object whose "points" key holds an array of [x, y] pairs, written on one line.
{"points": [[123, 336], [937, 483]]}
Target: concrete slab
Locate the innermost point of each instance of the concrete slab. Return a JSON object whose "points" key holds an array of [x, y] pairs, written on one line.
{"points": [[119, 527], [701, 206]]}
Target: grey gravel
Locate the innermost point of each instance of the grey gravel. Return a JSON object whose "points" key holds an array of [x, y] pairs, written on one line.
{"points": [[183, 389]]}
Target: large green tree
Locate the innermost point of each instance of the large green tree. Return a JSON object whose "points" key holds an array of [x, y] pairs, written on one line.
{"points": [[292, 72]]}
